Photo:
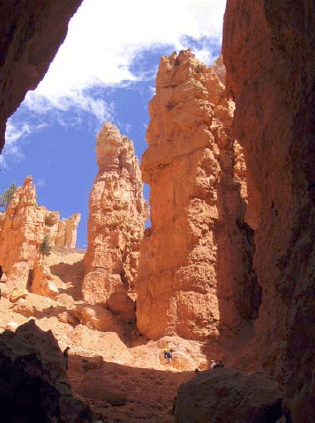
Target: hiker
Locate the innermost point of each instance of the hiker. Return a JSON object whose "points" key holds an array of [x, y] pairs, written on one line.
{"points": [[168, 355], [174, 408], [213, 364], [66, 357]]}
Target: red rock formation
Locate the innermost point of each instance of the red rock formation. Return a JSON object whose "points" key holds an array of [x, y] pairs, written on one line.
{"points": [[24, 226], [31, 32], [42, 280], [269, 57], [117, 213], [195, 275], [66, 235]]}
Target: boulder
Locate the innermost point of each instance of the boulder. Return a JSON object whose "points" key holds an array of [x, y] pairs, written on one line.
{"points": [[229, 395], [97, 317], [34, 380], [24, 308], [17, 294], [120, 303]]}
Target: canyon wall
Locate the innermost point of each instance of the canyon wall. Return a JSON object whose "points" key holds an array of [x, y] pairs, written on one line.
{"points": [[23, 228], [269, 57], [31, 32], [195, 271], [117, 214]]}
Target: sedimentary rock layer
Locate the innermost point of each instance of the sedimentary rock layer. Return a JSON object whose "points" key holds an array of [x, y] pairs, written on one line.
{"points": [[31, 32], [269, 56], [195, 274], [23, 228], [117, 214]]}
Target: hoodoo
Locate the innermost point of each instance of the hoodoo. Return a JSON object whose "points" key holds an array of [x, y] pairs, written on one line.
{"points": [[195, 274], [117, 214], [22, 229]]}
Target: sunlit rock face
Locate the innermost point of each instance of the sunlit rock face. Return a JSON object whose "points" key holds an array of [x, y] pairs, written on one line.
{"points": [[269, 57], [31, 32], [195, 274], [117, 214], [23, 228]]}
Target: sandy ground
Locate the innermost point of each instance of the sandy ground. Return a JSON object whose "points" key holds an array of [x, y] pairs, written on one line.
{"points": [[133, 371]]}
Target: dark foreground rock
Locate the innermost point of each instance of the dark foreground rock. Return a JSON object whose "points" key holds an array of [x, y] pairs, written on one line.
{"points": [[229, 395], [34, 381]]}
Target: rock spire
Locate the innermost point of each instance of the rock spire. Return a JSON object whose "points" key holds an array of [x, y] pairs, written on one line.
{"points": [[117, 214], [195, 274]]}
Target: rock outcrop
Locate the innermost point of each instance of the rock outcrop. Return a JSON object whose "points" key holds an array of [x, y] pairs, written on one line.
{"points": [[195, 272], [34, 380], [24, 226], [66, 236], [229, 395], [31, 32], [117, 214], [269, 57], [42, 280]]}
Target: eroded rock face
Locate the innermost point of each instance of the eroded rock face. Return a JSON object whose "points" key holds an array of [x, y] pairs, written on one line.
{"points": [[31, 32], [42, 280], [195, 274], [66, 236], [117, 214], [269, 57], [23, 229]]}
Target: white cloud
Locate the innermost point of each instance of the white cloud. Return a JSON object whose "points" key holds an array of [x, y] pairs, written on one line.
{"points": [[102, 42], [13, 136], [103, 39], [40, 183]]}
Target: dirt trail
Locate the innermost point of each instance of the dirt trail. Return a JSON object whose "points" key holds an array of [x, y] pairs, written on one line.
{"points": [[134, 383], [126, 394]]}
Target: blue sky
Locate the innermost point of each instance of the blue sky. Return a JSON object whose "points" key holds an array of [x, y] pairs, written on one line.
{"points": [[104, 72]]}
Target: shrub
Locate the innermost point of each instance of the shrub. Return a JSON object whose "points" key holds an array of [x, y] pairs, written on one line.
{"points": [[7, 196], [44, 247]]}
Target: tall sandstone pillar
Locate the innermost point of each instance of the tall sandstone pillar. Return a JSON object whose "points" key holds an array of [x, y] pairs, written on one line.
{"points": [[195, 271], [117, 214]]}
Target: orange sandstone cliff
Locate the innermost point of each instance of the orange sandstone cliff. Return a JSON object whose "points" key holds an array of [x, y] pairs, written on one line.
{"points": [[23, 228], [195, 274], [117, 214], [269, 57]]}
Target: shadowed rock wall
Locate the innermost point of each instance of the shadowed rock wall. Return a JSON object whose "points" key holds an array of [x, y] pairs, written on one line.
{"points": [[34, 385], [269, 57], [31, 32]]}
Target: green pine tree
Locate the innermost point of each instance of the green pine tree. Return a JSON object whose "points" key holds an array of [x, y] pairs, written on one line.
{"points": [[44, 247], [7, 196]]}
